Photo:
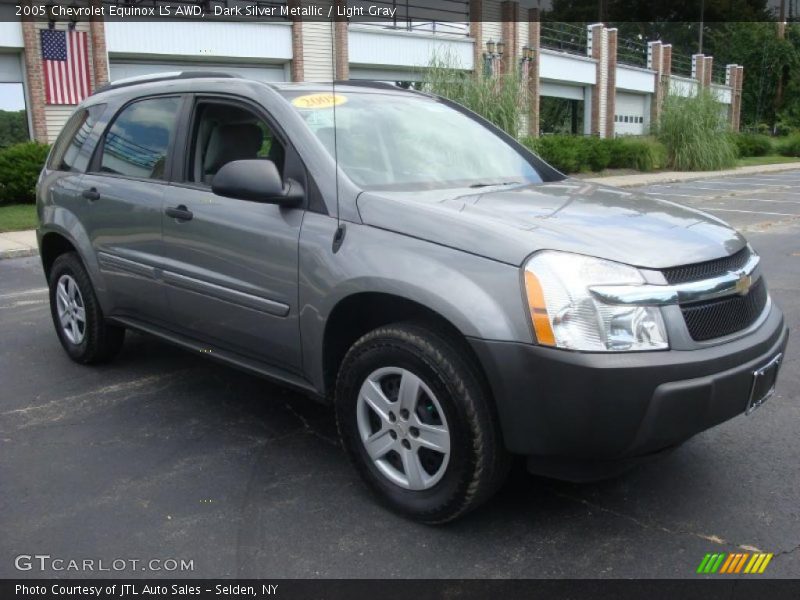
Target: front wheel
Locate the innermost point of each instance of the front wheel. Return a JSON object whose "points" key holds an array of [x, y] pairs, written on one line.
{"points": [[77, 316], [418, 424]]}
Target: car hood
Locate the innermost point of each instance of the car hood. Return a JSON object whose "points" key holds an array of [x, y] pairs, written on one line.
{"points": [[508, 224]]}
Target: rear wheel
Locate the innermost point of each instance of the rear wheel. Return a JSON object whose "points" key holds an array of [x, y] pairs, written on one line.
{"points": [[418, 424], [77, 316]]}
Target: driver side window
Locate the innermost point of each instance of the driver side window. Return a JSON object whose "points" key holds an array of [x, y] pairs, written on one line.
{"points": [[222, 133]]}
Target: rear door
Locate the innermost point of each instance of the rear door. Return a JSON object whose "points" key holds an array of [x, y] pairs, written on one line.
{"points": [[123, 194], [231, 265], [69, 159]]}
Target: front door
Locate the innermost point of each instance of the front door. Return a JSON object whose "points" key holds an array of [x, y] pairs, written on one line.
{"points": [[230, 266]]}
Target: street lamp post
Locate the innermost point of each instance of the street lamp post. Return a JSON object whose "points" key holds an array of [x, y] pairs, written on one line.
{"points": [[525, 60], [494, 53]]}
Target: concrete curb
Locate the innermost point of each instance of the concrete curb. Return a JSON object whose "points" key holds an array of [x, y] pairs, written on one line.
{"points": [[679, 176], [18, 253], [17, 244]]}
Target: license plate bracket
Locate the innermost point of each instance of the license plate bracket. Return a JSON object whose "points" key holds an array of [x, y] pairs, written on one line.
{"points": [[763, 385]]}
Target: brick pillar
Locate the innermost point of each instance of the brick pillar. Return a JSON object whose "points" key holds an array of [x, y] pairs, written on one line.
{"points": [[297, 66], [666, 72], [707, 71], [730, 81], [341, 59], [97, 38], [476, 33], [597, 49], [739, 82], [509, 11], [655, 62], [534, 42], [34, 76], [611, 82], [699, 69]]}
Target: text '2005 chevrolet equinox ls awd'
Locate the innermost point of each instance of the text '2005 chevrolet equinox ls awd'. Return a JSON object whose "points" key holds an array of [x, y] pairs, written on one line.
{"points": [[455, 297]]}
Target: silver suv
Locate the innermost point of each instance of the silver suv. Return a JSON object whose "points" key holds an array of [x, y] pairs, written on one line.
{"points": [[455, 297]]}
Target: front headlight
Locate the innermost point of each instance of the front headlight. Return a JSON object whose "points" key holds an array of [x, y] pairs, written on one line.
{"points": [[565, 314]]}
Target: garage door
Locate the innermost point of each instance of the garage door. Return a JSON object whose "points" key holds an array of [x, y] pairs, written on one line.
{"points": [[122, 70], [631, 115], [556, 90]]}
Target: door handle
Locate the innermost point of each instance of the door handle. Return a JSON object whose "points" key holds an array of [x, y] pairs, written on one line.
{"points": [[179, 212], [91, 194]]}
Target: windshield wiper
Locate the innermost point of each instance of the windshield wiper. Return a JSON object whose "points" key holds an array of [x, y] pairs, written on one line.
{"points": [[482, 184]]}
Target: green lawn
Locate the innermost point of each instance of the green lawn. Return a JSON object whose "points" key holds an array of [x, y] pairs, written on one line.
{"points": [[765, 160], [17, 217]]}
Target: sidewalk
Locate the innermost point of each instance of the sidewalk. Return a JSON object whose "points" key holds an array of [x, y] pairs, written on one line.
{"points": [[675, 176], [14, 244]]}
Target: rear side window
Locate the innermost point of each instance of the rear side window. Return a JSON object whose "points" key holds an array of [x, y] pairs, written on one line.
{"points": [[138, 142], [70, 152]]}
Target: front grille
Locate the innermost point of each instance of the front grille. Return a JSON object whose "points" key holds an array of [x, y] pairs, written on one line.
{"points": [[716, 318], [708, 269]]}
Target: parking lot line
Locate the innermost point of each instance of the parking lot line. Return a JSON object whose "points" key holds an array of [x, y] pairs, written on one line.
{"points": [[675, 194], [763, 200], [738, 183], [752, 212], [24, 293]]}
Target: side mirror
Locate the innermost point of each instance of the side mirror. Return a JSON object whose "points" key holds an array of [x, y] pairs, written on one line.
{"points": [[257, 180]]}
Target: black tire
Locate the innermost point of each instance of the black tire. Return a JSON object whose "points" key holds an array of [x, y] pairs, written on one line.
{"points": [[101, 341], [478, 462]]}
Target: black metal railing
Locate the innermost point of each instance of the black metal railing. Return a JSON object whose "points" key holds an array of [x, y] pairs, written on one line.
{"points": [[435, 16], [632, 52], [681, 64], [566, 37]]}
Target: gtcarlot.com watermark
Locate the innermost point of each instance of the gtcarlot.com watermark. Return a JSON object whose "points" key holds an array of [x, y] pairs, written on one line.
{"points": [[45, 563]]}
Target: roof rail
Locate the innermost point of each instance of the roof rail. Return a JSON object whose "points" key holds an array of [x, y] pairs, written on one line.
{"points": [[166, 76], [367, 83]]}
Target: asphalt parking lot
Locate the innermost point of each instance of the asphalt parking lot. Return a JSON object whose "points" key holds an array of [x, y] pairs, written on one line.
{"points": [[163, 454]]}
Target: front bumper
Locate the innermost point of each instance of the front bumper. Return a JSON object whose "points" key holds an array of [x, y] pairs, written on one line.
{"points": [[617, 406]]}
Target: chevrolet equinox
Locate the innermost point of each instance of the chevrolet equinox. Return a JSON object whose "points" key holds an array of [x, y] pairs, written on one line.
{"points": [[456, 298]]}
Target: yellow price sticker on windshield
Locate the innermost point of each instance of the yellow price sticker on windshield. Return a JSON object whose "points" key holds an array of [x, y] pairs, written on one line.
{"points": [[323, 100]]}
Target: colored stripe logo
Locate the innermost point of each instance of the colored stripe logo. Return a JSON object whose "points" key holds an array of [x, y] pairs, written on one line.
{"points": [[731, 564]]}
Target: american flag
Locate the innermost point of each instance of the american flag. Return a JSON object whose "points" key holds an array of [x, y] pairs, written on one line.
{"points": [[65, 57]]}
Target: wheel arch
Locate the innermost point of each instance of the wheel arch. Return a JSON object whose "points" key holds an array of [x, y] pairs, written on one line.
{"points": [[361, 312], [53, 245], [67, 235]]}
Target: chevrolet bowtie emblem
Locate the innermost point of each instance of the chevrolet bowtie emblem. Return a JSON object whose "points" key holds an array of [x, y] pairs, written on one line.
{"points": [[743, 284]]}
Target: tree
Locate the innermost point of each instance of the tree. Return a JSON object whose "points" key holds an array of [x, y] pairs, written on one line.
{"points": [[13, 127], [766, 60]]}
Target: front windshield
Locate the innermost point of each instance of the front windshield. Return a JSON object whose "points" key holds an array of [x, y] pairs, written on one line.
{"points": [[405, 141]]}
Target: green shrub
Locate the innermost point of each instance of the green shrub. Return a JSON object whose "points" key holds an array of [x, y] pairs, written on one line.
{"points": [[573, 154], [790, 146], [695, 133], [20, 166], [752, 144], [597, 153], [566, 153], [642, 154]]}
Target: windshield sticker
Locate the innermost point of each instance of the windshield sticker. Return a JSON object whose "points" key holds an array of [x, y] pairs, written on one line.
{"points": [[316, 101]]}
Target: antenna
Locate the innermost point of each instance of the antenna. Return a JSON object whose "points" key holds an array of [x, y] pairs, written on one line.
{"points": [[339, 230], [338, 236]]}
